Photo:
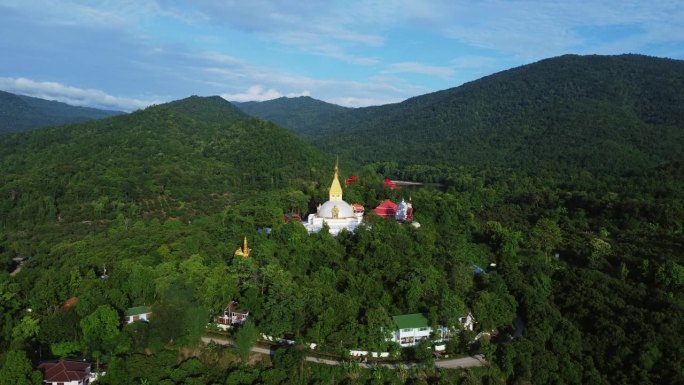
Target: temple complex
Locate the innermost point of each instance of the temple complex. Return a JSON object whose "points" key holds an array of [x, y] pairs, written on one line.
{"points": [[335, 213]]}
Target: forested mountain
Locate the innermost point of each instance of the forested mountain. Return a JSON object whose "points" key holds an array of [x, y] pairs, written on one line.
{"points": [[179, 159], [301, 114], [211, 109], [602, 114], [20, 113], [573, 278]]}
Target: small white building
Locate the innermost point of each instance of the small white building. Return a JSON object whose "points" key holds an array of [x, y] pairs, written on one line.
{"points": [[411, 329], [232, 315], [467, 321], [138, 313]]}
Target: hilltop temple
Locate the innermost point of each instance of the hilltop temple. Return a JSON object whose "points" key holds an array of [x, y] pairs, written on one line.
{"points": [[336, 213]]}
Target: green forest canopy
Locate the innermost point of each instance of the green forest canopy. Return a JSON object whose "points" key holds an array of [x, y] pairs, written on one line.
{"points": [[162, 197]]}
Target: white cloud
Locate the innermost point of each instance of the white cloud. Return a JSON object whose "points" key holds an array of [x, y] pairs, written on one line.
{"points": [[258, 93], [71, 95], [177, 48], [420, 68], [531, 30], [351, 101], [337, 52]]}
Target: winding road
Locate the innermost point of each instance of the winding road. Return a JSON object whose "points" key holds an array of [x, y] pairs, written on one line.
{"points": [[454, 363]]}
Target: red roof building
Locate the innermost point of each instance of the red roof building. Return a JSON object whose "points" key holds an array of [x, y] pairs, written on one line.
{"points": [[357, 208], [69, 303], [232, 315], [386, 209], [350, 180], [65, 372], [389, 183]]}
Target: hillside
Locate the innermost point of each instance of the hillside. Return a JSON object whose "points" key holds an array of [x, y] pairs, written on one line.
{"points": [[212, 109], [173, 160], [20, 113], [147, 209], [302, 115], [602, 114]]}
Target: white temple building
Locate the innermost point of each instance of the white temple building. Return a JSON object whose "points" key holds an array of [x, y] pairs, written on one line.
{"points": [[336, 213]]}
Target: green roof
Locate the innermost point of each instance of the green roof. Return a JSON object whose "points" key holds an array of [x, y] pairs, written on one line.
{"points": [[411, 321], [137, 310]]}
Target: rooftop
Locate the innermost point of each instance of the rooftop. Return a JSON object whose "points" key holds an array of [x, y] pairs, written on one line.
{"points": [[411, 321], [137, 310], [64, 370]]}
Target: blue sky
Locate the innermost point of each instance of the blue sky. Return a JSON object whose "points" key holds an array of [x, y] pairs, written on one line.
{"points": [[128, 54]]}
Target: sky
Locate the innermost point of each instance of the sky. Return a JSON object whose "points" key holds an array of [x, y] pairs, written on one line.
{"points": [[129, 54]]}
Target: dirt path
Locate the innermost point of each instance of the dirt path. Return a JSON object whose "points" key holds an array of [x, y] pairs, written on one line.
{"points": [[16, 271]]}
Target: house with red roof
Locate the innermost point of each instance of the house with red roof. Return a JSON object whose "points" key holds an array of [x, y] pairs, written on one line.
{"points": [[358, 208], [66, 372], [386, 209], [232, 315], [69, 303], [388, 182]]}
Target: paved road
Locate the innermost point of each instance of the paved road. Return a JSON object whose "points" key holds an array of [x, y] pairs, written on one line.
{"points": [[454, 363], [465, 362]]}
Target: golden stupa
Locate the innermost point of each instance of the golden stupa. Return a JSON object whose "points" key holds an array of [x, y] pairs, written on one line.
{"points": [[244, 250]]}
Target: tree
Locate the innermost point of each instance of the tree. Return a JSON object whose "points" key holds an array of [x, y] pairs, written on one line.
{"points": [[494, 309], [100, 331], [17, 370], [218, 288], [65, 349], [545, 236], [245, 338], [380, 328], [26, 329]]}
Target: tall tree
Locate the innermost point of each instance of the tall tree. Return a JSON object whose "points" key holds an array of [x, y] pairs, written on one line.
{"points": [[17, 370], [100, 331], [245, 338]]}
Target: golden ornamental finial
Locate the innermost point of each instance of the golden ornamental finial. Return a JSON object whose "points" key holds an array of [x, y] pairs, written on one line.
{"points": [[335, 187], [243, 251]]}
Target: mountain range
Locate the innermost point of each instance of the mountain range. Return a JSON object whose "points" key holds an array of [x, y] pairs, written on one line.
{"points": [[181, 159], [148, 207], [601, 114], [21, 113]]}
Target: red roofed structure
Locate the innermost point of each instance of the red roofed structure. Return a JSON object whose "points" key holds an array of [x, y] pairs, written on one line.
{"points": [[69, 303], [357, 208], [386, 209], [350, 180], [66, 372], [389, 183]]}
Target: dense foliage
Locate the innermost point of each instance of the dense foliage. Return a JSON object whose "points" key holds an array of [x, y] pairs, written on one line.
{"points": [[153, 163], [581, 279], [20, 113], [298, 114], [602, 114]]}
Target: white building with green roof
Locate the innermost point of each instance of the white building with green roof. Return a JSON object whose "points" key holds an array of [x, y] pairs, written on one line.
{"points": [[411, 329], [138, 313]]}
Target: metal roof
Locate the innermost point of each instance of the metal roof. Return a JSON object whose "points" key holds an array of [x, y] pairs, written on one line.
{"points": [[412, 321]]}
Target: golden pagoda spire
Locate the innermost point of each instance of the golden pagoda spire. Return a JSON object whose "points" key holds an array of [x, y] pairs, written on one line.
{"points": [[244, 250], [335, 187]]}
